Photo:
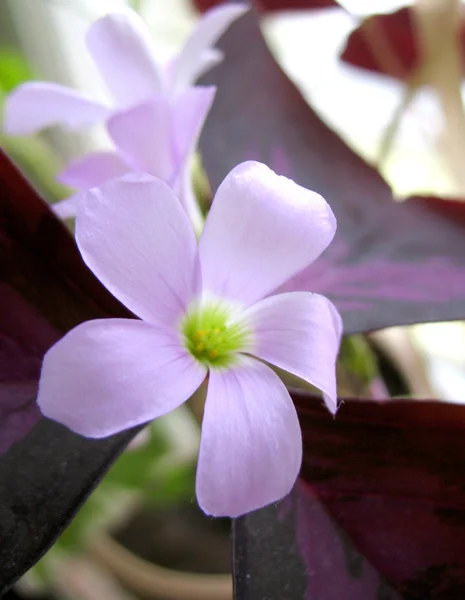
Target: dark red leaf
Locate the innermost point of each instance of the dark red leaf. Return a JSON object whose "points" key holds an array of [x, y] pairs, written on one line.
{"points": [[385, 44], [388, 43], [45, 290], [447, 208], [271, 5], [378, 513], [390, 264]]}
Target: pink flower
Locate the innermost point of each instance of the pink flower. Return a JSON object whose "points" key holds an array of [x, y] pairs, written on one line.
{"points": [[204, 309], [154, 116]]}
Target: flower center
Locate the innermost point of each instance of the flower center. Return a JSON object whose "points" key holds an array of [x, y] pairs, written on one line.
{"points": [[212, 335]]}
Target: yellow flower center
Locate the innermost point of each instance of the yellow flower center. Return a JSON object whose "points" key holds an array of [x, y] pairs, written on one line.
{"points": [[212, 335]]}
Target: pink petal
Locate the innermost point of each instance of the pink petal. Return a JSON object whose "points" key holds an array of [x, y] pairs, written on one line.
{"points": [[112, 374], [184, 190], [35, 105], [251, 444], [135, 236], [299, 332], [262, 229], [66, 209], [145, 134], [120, 46], [190, 111], [92, 169], [140, 440], [198, 56]]}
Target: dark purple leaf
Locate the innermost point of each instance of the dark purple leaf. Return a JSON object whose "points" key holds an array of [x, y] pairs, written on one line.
{"points": [[272, 5], [385, 44], [390, 264], [45, 290], [379, 512], [448, 208], [388, 44]]}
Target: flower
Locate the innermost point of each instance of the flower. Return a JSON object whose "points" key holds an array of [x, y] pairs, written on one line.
{"points": [[205, 309], [154, 114]]}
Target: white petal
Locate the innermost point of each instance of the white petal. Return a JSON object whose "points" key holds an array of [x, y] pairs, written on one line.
{"points": [[261, 229], [112, 374], [251, 444], [145, 134], [36, 105], [198, 56], [135, 236], [92, 169], [299, 332], [120, 46]]}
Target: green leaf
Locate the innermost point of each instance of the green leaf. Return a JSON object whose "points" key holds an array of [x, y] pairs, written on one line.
{"points": [[135, 467], [13, 69]]}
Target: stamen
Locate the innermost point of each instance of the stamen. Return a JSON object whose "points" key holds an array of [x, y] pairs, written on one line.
{"points": [[212, 336]]}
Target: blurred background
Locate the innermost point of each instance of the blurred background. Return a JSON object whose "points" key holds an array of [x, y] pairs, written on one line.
{"points": [[140, 534]]}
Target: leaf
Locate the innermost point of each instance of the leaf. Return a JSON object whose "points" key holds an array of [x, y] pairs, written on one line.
{"points": [[134, 469], [390, 43], [13, 69], [386, 262], [45, 290], [379, 512], [385, 43], [272, 5], [448, 208]]}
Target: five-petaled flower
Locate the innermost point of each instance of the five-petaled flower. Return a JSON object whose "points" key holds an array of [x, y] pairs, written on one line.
{"points": [[154, 115], [205, 309]]}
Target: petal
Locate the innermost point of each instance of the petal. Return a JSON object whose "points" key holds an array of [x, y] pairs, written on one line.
{"points": [[184, 190], [145, 135], [198, 56], [121, 47], [158, 137], [111, 374], [299, 332], [92, 169], [262, 229], [251, 444], [33, 106], [190, 111], [66, 209], [136, 238]]}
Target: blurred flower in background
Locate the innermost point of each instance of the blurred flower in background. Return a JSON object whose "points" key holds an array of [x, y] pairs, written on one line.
{"points": [[154, 112]]}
